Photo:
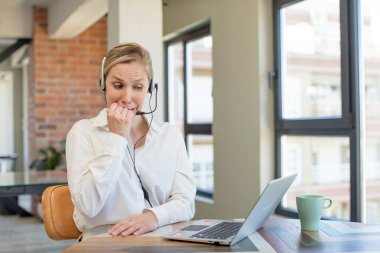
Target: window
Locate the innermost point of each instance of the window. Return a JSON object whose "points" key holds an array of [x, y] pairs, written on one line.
{"points": [[6, 118], [370, 82], [345, 154], [317, 97], [327, 102], [189, 100]]}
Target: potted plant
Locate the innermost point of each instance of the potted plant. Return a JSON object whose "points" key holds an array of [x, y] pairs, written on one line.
{"points": [[48, 161], [49, 158]]}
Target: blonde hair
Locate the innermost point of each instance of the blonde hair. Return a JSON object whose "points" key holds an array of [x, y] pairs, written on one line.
{"points": [[126, 53]]}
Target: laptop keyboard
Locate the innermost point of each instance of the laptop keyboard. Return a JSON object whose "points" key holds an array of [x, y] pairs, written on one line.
{"points": [[221, 231]]}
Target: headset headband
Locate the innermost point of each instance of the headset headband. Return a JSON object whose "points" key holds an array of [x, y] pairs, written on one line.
{"points": [[102, 82]]}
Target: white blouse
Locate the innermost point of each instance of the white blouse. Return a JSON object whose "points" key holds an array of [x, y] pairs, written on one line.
{"points": [[104, 186]]}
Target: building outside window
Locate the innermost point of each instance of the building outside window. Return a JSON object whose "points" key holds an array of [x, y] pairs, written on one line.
{"points": [[327, 100], [190, 103]]}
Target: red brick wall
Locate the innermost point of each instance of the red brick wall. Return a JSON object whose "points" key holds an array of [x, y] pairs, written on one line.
{"points": [[64, 81]]}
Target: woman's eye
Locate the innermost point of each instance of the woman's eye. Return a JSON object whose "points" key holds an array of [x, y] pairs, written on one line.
{"points": [[118, 86], [138, 87]]}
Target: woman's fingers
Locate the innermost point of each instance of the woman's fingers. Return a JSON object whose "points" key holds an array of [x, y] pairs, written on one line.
{"points": [[123, 113], [119, 120], [135, 225], [132, 229], [117, 231], [126, 227], [120, 113], [141, 230]]}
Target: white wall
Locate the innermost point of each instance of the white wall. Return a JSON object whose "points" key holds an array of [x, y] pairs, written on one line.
{"points": [[243, 125], [15, 19], [140, 21]]}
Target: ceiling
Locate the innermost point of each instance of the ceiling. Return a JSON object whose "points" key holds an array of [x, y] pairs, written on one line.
{"points": [[6, 43], [15, 10], [42, 3]]}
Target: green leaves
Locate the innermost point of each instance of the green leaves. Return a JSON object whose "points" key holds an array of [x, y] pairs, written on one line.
{"points": [[50, 158]]}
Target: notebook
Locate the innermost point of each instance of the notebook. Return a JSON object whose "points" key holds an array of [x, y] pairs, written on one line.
{"points": [[229, 232]]}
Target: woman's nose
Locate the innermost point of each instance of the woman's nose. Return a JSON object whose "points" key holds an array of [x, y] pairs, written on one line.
{"points": [[126, 96]]}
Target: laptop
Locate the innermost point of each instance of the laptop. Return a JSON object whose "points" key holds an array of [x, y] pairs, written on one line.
{"points": [[229, 232]]}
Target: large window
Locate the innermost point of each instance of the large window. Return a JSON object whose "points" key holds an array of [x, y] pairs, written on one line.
{"points": [[370, 41], [189, 97], [7, 123], [318, 103]]}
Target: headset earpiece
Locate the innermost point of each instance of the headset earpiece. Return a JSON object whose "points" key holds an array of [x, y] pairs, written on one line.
{"points": [[150, 86], [151, 82], [102, 84]]}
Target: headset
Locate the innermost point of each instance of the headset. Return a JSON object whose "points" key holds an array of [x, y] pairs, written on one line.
{"points": [[102, 85]]}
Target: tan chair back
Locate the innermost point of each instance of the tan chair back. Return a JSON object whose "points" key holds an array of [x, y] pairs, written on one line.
{"points": [[57, 212]]}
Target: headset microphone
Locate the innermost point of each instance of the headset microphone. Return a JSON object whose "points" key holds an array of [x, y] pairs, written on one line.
{"points": [[103, 87], [155, 106]]}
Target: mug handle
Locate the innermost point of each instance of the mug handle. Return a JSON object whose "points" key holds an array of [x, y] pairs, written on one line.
{"points": [[328, 202]]}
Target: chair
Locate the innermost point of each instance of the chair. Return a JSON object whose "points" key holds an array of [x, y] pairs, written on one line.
{"points": [[57, 213]]}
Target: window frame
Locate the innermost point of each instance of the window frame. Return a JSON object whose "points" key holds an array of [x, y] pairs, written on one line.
{"points": [[199, 31], [349, 122]]}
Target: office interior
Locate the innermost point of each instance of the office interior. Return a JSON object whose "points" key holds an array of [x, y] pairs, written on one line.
{"points": [[244, 43]]}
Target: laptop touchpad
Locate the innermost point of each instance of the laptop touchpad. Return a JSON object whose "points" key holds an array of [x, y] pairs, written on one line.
{"points": [[194, 228]]}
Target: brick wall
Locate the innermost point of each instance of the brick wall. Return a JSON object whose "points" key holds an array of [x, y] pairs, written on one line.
{"points": [[64, 81]]}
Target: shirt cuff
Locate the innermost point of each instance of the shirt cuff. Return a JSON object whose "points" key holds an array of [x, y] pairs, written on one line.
{"points": [[161, 214]]}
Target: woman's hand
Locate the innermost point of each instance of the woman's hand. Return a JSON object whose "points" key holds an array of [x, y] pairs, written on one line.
{"points": [[135, 225], [119, 120]]}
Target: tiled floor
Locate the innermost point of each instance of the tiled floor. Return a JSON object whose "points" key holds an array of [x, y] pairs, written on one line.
{"points": [[27, 234]]}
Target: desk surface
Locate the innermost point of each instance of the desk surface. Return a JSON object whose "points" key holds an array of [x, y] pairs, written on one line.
{"points": [[283, 235], [33, 182], [20, 178]]}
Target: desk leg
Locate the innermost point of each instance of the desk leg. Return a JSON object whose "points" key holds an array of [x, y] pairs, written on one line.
{"points": [[11, 203]]}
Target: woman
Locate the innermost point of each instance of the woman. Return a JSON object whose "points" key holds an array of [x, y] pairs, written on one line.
{"points": [[127, 174]]}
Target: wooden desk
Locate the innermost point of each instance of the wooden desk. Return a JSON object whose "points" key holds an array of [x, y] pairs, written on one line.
{"points": [[146, 244], [15, 183], [32, 182], [283, 235]]}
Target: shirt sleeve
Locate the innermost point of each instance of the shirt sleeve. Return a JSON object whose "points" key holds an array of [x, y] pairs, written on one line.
{"points": [[92, 175], [180, 205]]}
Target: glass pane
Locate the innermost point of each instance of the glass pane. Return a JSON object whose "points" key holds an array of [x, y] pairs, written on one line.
{"points": [[370, 27], [323, 166], [201, 152], [310, 58], [199, 80], [7, 165], [175, 82], [6, 113]]}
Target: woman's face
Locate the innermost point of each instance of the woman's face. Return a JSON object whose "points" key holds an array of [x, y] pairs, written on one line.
{"points": [[127, 85]]}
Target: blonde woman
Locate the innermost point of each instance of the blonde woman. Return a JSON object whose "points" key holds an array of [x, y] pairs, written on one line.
{"points": [[127, 173]]}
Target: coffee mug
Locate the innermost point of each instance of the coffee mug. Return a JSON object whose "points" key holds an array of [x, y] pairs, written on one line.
{"points": [[310, 209]]}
